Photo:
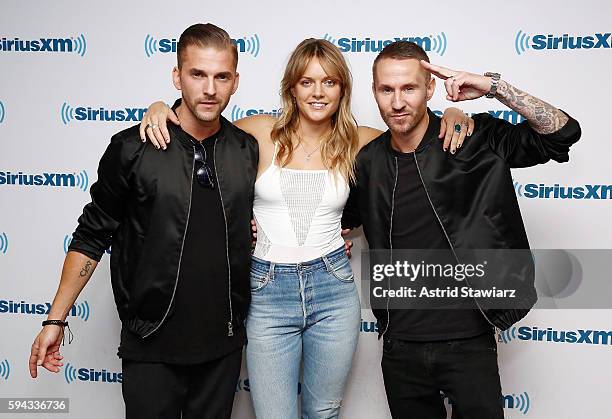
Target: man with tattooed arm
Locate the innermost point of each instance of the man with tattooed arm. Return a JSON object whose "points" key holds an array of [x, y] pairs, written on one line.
{"points": [[410, 195], [178, 225]]}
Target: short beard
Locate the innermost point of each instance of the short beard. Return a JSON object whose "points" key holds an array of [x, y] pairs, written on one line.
{"points": [[400, 130], [397, 129], [406, 128]]}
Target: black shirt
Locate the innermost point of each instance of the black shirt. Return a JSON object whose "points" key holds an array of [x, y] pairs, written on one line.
{"points": [[415, 226], [194, 332]]}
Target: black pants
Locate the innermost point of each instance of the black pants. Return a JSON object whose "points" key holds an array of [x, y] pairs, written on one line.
{"points": [[167, 391], [465, 370]]}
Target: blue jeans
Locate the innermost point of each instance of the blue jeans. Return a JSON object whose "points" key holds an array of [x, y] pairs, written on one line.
{"points": [[306, 312]]}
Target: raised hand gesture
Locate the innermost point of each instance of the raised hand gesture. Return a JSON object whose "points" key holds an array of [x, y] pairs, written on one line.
{"points": [[460, 85]]}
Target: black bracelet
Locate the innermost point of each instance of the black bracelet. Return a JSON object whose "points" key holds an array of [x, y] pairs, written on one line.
{"points": [[55, 323], [62, 324]]}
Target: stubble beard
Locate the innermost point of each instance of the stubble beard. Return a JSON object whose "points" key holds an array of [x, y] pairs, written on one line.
{"points": [[205, 116], [400, 129], [405, 128]]}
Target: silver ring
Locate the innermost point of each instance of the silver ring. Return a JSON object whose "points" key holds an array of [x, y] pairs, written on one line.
{"points": [[457, 127], [152, 126]]}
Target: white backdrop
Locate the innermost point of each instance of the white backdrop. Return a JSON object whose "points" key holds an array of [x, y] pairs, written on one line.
{"points": [[116, 57]]}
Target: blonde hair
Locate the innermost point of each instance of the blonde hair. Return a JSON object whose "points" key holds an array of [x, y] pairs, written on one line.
{"points": [[340, 147]]}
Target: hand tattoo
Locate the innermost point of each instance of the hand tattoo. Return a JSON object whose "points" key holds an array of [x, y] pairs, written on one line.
{"points": [[542, 117], [86, 269]]}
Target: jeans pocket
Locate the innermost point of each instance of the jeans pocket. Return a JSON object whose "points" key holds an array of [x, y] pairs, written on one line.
{"points": [[258, 280], [341, 269], [388, 345], [483, 344]]}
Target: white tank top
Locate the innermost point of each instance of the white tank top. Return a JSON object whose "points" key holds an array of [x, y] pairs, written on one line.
{"points": [[298, 213]]}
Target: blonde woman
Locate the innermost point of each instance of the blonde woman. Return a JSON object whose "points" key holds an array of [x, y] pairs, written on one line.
{"points": [[305, 306]]}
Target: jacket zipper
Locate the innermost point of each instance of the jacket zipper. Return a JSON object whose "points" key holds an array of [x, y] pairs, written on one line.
{"points": [[230, 327], [445, 234], [391, 243], [181, 254]]}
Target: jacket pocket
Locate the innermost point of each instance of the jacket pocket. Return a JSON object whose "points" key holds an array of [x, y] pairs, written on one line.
{"points": [[500, 234]]}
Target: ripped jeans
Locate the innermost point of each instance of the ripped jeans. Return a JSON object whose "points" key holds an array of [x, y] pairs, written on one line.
{"points": [[301, 313]]}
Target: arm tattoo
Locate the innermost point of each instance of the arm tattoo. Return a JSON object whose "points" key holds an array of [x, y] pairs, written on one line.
{"points": [[85, 271], [542, 117]]}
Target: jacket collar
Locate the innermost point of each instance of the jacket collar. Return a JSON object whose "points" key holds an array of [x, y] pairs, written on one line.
{"points": [[431, 134]]}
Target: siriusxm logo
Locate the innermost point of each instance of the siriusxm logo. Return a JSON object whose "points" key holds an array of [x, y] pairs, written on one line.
{"points": [[524, 41], [81, 113], [68, 240], [557, 191], [78, 180], [247, 44], [368, 327], [76, 44], [535, 334], [505, 114], [430, 43], [238, 112], [80, 310], [520, 402], [4, 243], [72, 374], [5, 370], [2, 112]]}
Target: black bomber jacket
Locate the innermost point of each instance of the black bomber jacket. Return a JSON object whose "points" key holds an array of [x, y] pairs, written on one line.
{"points": [[472, 192], [140, 205]]}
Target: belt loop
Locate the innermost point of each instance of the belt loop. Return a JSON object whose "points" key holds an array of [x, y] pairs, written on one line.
{"points": [[327, 263], [271, 271]]}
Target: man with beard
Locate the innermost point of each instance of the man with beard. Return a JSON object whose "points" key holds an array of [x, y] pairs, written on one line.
{"points": [[178, 223], [411, 195]]}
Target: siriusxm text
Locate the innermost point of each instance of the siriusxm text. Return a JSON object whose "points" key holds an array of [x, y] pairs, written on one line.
{"points": [[90, 374], [37, 45], [102, 114], [23, 307], [565, 41], [38, 179], [375, 45], [579, 336], [556, 191], [167, 45]]}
